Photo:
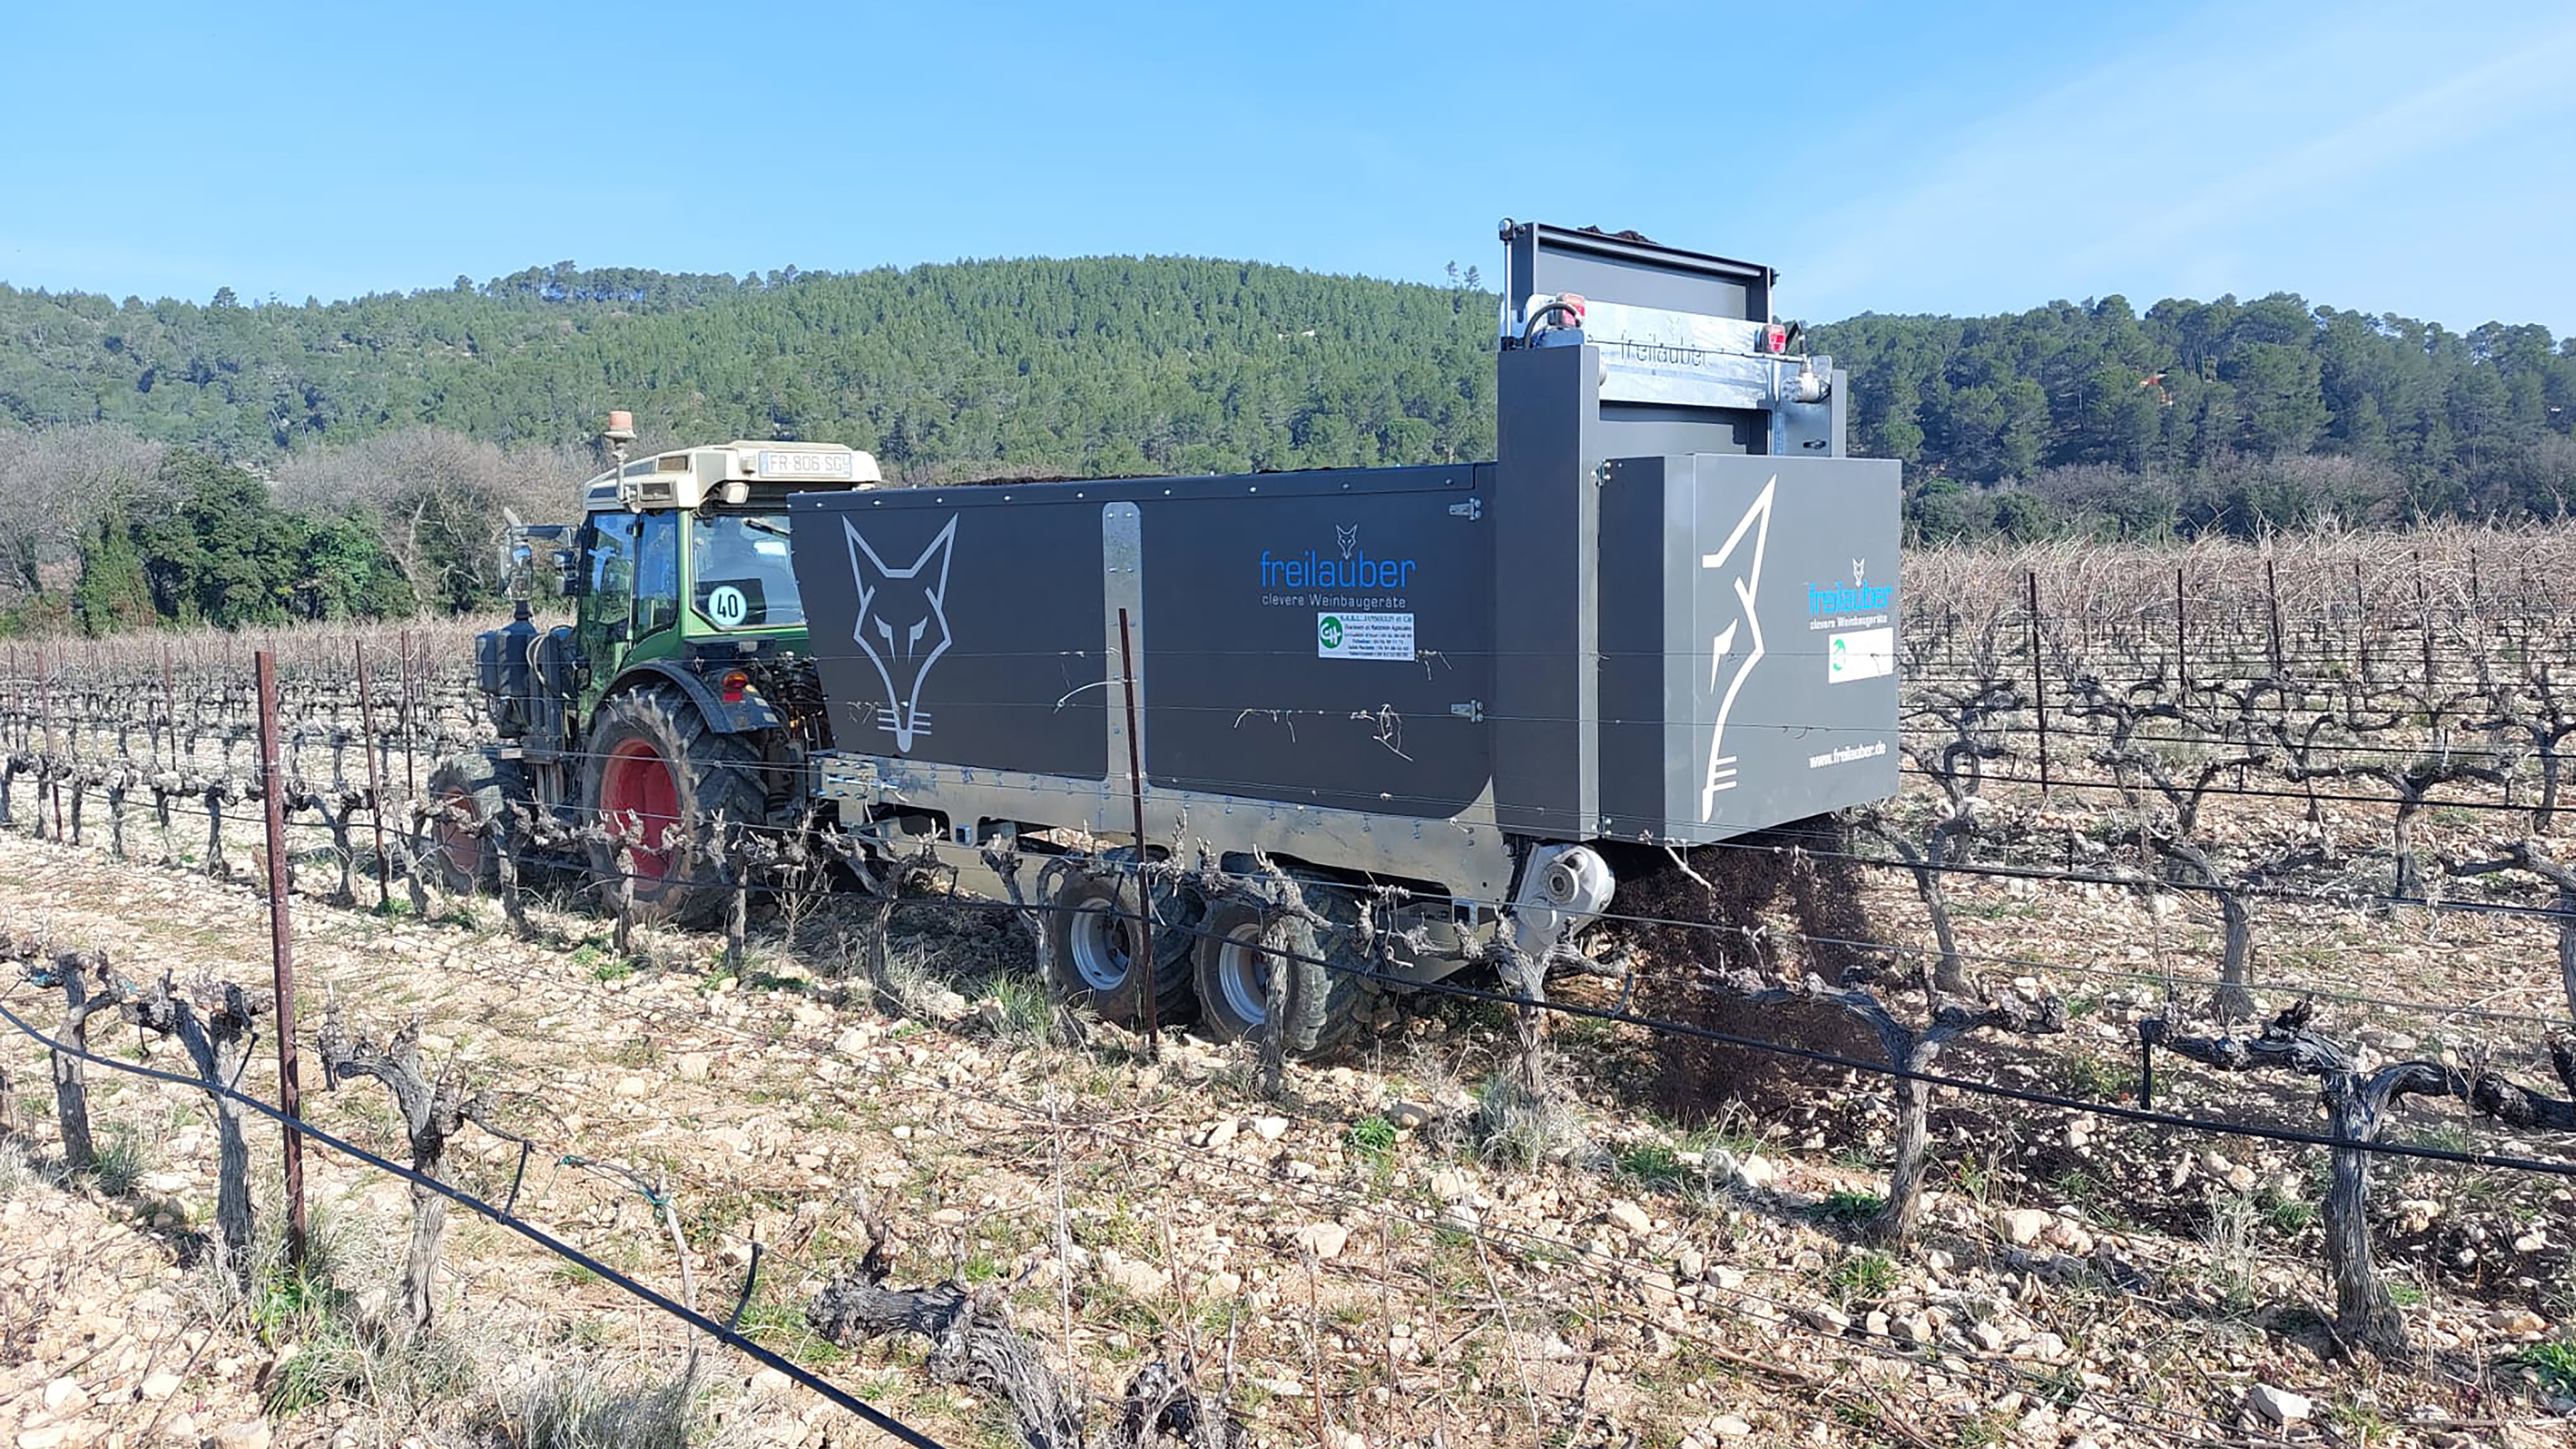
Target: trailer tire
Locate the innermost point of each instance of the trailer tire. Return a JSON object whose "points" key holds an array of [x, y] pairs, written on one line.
{"points": [[653, 760], [454, 850], [1090, 949], [1242, 940]]}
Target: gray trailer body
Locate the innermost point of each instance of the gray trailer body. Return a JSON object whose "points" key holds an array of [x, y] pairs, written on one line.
{"points": [[1664, 616]]}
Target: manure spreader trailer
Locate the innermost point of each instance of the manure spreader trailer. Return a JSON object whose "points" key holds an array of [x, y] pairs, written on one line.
{"points": [[1462, 699]]}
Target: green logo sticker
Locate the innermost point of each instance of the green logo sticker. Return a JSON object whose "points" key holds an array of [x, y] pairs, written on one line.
{"points": [[1842, 647], [1330, 631]]}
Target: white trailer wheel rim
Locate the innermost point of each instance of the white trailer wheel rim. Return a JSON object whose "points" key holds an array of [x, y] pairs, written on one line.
{"points": [[1243, 975], [1100, 954]]}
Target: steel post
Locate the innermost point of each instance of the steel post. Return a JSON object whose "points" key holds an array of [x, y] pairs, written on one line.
{"points": [[281, 950], [1143, 957]]}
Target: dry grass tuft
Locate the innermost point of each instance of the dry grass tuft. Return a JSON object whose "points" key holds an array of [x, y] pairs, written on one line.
{"points": [[588, 1404]]}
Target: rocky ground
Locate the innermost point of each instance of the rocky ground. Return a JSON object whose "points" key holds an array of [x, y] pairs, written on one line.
{"points": [[103, 1328], [1381, 1257]]}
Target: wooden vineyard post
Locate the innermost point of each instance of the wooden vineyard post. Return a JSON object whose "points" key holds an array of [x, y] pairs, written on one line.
{"points": [[2424, 622], [375, 786], [411, 777], [281, 951], [2038, 680], [169, 705], [2272, 599], [2182, 654], [45, 706]]}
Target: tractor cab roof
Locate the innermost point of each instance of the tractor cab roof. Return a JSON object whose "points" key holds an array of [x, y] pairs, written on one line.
{"points": [[729, 473]]}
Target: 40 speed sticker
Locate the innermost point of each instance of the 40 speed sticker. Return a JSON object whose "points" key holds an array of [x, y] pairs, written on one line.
{"points": [[728, 607], [1364, 636]]}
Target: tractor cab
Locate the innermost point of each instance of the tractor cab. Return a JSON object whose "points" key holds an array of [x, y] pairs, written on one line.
{"points": [[682, 559]]}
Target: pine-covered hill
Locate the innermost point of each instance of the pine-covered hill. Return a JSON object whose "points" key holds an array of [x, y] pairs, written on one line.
{"points": [[2187, 417], [1100, 365], [381, 441]]}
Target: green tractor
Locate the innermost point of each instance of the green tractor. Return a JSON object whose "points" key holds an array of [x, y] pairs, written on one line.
{"points": [[678, 693]]}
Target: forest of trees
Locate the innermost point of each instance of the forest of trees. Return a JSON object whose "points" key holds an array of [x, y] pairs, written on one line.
{"points": [[236, 463], [2195, 417], [1101, 365]]}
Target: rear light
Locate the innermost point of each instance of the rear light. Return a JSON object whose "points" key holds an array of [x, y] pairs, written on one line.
{"points": [[733, 686], [1775, 337]]}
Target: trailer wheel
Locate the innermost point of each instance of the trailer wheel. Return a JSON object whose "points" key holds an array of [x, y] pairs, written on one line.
{"points": [[1241, 942], [654, 765], [482, 787], [1091, 949]]}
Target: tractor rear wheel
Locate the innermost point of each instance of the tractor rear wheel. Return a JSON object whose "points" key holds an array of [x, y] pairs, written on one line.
{"points": [[657, 773], [470, 789]]}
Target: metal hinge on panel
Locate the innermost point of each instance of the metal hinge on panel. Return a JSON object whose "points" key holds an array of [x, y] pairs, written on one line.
{"points": [[1472, 711], [1471, 510]]}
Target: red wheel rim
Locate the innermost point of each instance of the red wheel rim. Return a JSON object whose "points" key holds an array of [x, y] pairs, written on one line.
{"points": [[458, 845], [637, 793]]}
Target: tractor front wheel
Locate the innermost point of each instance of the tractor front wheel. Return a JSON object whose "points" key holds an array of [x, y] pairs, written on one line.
{"points": [[469, 791]]}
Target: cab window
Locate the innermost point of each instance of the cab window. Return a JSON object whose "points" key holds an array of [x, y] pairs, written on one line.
{"points": [[739, 576], [657, 573], [612, 555]]}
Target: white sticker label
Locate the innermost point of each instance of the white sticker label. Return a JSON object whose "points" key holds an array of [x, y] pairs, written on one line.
{"points": [[728, 607], [1860, 654], [1364, 636]]}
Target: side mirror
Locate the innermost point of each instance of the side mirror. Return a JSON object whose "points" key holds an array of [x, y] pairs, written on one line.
{"points": [[519, 569], [520, 552]]}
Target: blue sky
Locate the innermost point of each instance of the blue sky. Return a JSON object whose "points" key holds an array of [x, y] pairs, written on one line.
{"points": [[1891, 157]]}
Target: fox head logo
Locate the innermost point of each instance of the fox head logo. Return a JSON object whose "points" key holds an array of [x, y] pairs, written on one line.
{"points": [[1742, 621], [1348, 538], [903, 625]]}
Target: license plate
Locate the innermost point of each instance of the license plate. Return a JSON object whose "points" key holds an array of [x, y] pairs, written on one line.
{"points": [[780, 464]]}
